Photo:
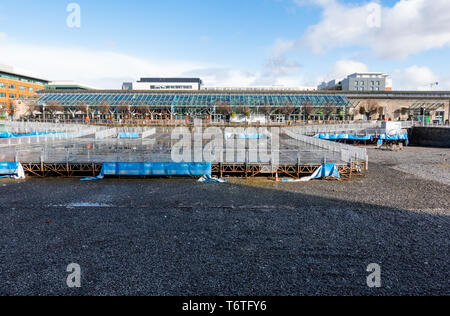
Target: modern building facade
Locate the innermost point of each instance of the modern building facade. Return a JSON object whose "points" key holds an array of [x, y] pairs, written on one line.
{"points": [[369, 81], [154, 84], [14, 85], [68, 85]]}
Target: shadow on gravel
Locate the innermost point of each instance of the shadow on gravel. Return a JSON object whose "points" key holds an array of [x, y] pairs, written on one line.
{"points": [[166, 237]]}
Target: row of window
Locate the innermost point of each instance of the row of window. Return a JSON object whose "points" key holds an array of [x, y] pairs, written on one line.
{"points": [[12, 96], [17, 78], [170, 87], [363, 83], [14, 87], [368, 89]]}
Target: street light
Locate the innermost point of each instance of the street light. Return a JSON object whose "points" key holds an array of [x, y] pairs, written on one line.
{"points": [[434, 84]]}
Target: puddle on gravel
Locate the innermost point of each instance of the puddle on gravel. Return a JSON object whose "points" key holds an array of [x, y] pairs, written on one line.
{"points": [[83, 204]]}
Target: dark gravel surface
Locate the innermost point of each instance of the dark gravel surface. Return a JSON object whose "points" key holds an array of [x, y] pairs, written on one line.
{"points": [[179, 237]]}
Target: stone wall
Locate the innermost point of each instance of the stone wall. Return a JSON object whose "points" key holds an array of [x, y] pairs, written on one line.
{"points": [[430, 136], [393, 107]]}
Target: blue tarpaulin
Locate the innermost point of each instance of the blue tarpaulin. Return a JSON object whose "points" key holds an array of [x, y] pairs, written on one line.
{"points": [[13, 135], [128, 135], [343, 136], [246, 136], [326, 170], [11, 169], [154, 169], [399, 137], [395, 137]]}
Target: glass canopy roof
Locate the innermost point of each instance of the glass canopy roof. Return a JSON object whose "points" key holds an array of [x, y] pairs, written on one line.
{"points": [[195, 100]]}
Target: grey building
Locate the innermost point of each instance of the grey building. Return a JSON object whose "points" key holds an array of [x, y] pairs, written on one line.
{"points": [[370, 81]]}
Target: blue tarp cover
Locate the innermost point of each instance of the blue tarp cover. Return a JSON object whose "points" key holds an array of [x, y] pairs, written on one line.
{"points": [[128, 135], [246, 136], [154, 169], [395, 137], [13, 135], [343, 136], [326, 170], [11, 170], [8, 168]]}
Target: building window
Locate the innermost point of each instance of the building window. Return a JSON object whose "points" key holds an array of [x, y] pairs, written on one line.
{"points": [[2, 85], [12, 86], [12, 96], [2, 95], [22, 88], [22, 96]]}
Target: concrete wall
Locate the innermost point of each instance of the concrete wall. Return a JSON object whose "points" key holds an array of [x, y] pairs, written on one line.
{"points": [[430, 136]]}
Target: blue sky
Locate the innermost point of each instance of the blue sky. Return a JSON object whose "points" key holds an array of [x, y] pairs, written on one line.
{"points": [[229, 42]]}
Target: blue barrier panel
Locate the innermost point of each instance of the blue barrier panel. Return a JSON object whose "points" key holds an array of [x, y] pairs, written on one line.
{"points": [[13, 135], [343, 136], [128, 135], [154, 169]]}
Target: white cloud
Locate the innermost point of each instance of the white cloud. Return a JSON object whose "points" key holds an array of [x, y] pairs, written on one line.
{"points": [[409, 27], [86, 65], [108, 69], [343, 68], [418, 78], [222, 76]]}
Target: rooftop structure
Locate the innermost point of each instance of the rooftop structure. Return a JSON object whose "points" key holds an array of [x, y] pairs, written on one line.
{"points": [[164, 84], [16, 85], [68, 85], [362, 81]]}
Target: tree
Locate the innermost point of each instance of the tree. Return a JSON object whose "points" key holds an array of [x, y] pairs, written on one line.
{"points": [[104, 107], [380, 110], [82, 107], [223, 108], [307, 109], [329, 109], [124, 108], [371, 108], [54, 106], [33, 107], [287, 108], [267, 109], [362, 110], [143, 109]]}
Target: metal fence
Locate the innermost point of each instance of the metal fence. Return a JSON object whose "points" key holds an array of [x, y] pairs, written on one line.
{"points": [[348, 153]]}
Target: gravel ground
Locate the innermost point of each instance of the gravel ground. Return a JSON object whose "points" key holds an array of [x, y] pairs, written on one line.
{"points": [[426, 163], [256, 237]]}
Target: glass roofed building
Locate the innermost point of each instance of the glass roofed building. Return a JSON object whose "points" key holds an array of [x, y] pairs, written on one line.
{"points": [[199, 102], [152, 99]]}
